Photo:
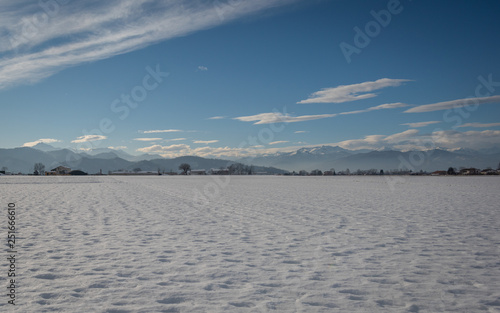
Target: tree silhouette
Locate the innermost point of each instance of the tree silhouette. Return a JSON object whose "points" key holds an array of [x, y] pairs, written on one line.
{"points": [[39, 169], [451, 171], [185, 168]]}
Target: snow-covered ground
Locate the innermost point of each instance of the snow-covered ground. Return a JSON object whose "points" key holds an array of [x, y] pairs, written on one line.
{"points": [[254, 244]]}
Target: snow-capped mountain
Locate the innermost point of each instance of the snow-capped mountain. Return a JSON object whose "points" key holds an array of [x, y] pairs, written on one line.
{"points": [[328, 157]]}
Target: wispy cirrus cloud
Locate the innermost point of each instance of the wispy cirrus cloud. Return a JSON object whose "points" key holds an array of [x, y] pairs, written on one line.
{"points": [[88, 138], [148, 139], [420, 124], [205, 142], [84, 31], [385, 106], [278, 142], [217, 118], [480, 125], [160, 131], [347, 93], [175, 139], [43, 140], [453, 104], [277, 117]]}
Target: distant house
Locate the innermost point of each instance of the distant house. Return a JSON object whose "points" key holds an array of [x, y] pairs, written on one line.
{"points": [[328, 173], [198, 172], [438, 173], [469, 171], [489, 171], [60, 170]]}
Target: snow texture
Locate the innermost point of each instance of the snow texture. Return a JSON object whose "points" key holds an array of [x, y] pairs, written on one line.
{"points": [[254, 244]]}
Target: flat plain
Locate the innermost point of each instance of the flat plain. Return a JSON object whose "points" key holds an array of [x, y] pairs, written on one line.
{"points": [[254, 244]]}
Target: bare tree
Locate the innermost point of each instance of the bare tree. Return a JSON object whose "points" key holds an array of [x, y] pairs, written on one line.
{"points": [[451, 171], [185, 168], [39, 169]]}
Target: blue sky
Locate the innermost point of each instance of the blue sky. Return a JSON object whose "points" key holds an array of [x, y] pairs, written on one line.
{"points": [[238, 78]]}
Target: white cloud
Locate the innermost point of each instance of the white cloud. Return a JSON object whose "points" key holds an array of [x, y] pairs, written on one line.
{"points": [[401, 137], [269, 118], [217, 118], [206, 142], [202, 68], [175, 139], [411, 139], [452, 139], [453, 104], [278, 142], [88, 138], [118, 148], [148, 139], [368, 142], [84, 31], [182, 150], [407, 140], [347, 93], [300, 132], [166, 150], [43, 140], [480, 125], [160, 131], [210, 152], [421, 124], [378, 107], [376, 142]]}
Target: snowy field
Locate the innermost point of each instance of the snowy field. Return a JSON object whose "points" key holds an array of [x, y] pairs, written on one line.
{"points": [[253, 244]]}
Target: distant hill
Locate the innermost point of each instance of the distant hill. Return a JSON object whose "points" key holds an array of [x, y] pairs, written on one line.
{"points": [[322, 157], [23, 159]]}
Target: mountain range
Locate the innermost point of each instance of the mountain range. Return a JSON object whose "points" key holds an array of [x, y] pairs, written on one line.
{"points": [[322, 157], [22, 160], [328, 157]]}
